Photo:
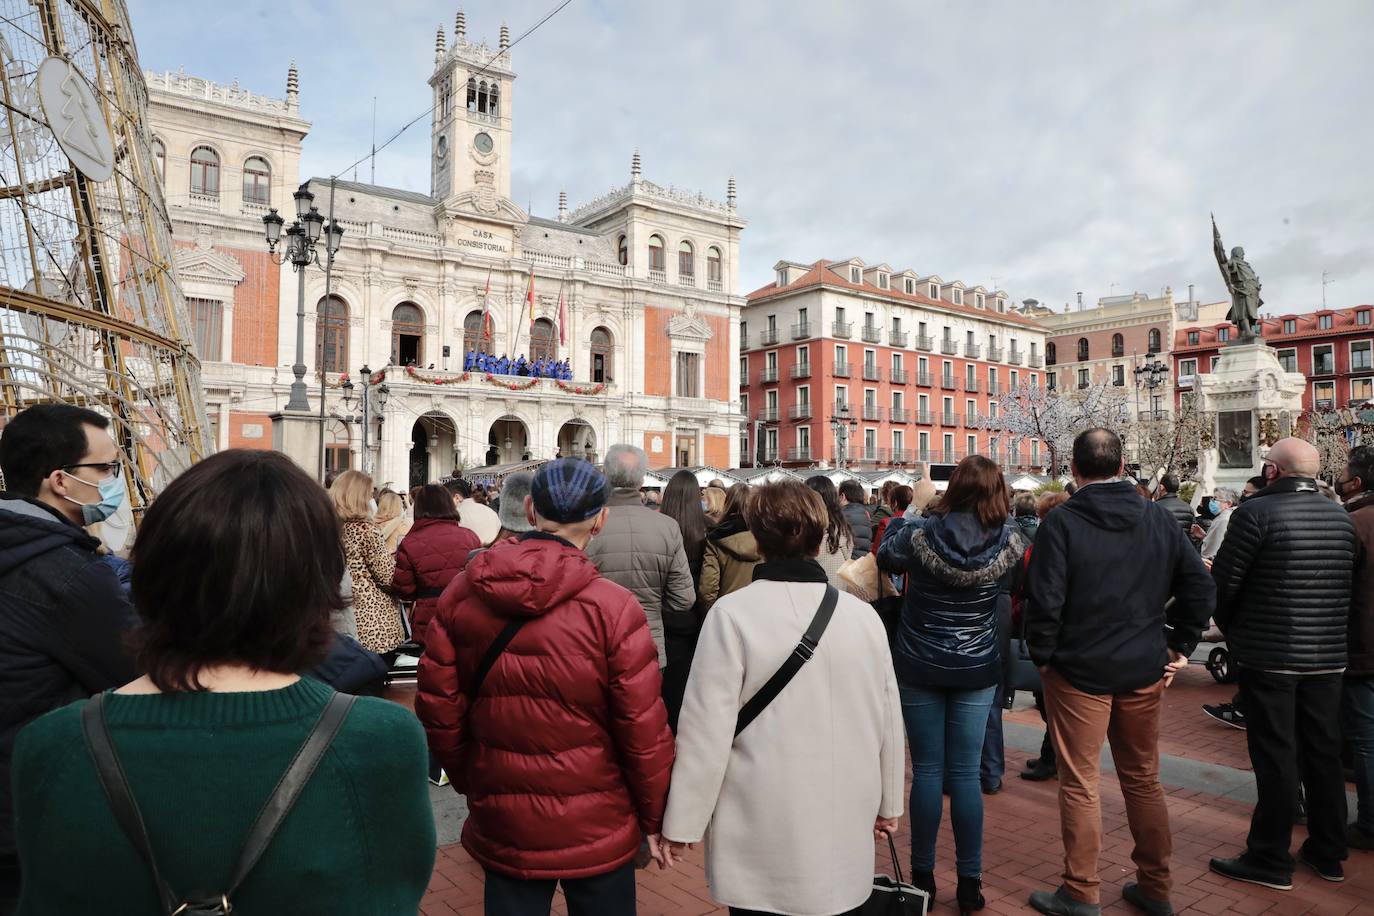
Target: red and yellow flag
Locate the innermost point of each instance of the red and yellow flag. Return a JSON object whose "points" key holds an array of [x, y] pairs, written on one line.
{"points": [[529, 297]]}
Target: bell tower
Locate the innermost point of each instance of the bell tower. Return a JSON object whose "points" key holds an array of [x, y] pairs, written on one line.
{"points": [[470, 144]]}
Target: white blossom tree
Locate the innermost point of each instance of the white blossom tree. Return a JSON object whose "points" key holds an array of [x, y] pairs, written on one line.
{"points": [[1173, 443], [1053, 417]]}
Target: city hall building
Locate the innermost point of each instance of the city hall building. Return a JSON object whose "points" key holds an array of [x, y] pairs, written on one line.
{"points": [[637, 289]]}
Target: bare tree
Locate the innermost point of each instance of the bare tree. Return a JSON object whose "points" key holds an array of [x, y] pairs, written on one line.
{"points": [[1173, 443], [1034, 412]]}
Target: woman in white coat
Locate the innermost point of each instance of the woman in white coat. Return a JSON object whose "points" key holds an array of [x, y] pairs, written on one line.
{"points": [[790, 808]]}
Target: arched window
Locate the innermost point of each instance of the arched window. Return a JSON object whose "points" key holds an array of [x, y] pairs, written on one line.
{"points": [[1082, 348], [407, 335], [1050, 358], [656, 261], [473, 338], [257, 181], [205, 171], [603, 348], [494, 99], [542, 340], [622, 251], [331, 335], [1118, 345], [472, 94], [160, 160], [1154, 340], [686, 260], [713, 267], [482, 97]]}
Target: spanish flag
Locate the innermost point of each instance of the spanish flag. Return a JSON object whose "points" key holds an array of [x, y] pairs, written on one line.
{"points": [[529, 297]]}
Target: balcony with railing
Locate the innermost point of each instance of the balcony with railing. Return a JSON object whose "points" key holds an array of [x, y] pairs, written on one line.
{"points": [[995, 390], [925, 342], [1035, 362], [714, 286], [841, 370], [898, 338], [1083, 383], [872, 372], [872, 412], [844, 329], [925, 379], [901, 456], [686, 279], [744, 340], [971, 385], [900, 376], [948, 346], [658, 276], [768, 337], [799, 453], [1015, 356], [801, 370], [768, 375], [949, 419], [769, 454], [949, 383], [900, 415], [925, 417], [996, 353], [799, 411], [768, 414], [870, 454], [871, 333], [801, 330], [972, 351]]}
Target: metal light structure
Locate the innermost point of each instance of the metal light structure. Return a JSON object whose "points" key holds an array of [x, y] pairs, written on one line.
{"points": [[91, 313]]}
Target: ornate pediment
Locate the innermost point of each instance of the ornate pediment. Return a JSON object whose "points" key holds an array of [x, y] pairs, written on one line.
{"points": [[208, 266], [689, 325]]}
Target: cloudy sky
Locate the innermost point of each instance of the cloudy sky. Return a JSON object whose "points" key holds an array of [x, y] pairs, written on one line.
{"points": [[1055, 146]]}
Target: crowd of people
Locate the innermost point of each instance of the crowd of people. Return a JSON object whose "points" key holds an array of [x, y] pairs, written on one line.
{"points": [[542, 367], [610, 679]]}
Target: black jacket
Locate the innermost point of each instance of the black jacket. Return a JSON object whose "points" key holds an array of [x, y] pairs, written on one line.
{"points": [[1283, 579], [1178, 509], [861, 526], [1101, 575], [63, 618], [957, 571]]}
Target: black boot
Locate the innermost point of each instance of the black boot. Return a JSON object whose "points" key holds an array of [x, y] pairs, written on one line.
{"points": [[969, 895], [925, 881]]}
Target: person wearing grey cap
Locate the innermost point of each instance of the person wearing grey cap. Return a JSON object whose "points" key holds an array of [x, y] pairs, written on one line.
{"points": [[561, 743]]}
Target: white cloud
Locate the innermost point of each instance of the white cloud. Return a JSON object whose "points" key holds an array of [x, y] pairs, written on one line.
{"points": [[1061, 147]]}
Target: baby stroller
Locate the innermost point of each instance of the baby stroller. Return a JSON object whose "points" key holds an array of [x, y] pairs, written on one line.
{"points": [[1219, 659]]}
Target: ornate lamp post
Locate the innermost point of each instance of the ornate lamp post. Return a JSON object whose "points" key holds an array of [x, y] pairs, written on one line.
{"points": [[1152, 373], [372, 402], [302, 236]]}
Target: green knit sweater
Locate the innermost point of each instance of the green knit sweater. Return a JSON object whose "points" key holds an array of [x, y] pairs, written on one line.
{"points": [[360, 839]]}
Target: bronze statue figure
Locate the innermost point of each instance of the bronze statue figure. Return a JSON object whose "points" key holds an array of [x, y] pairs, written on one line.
{"points": [[1243, 284]]}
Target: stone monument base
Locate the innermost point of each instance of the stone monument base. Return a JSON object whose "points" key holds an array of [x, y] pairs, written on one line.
{"points": [[296, 433]]}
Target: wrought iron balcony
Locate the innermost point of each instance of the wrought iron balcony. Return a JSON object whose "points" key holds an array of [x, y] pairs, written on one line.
{"points": [[949, 383], [995, 354], [901, 415], [768, 337], [971, 384], [801, 370], [768, 414], [972, 351], [799, 411], [925, 379], [900, 376], [768, 375], [799, 453], [925, 342], [843, 329], [872, 373], [948, 347], [871, 333], [898, 338], [841, 370], [801, 330], [873, 412], [1015, 357]]}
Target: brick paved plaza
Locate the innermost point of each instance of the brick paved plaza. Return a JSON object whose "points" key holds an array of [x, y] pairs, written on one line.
{"points": [[1206, 775]]}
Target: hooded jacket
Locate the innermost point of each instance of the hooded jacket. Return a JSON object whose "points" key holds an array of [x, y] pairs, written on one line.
{"points": [[861, 527], [728, 563], [429, 556], [956, 570], [1103, 569], [1361, 631], [565, 755], [63, 620], [1283, 579]]}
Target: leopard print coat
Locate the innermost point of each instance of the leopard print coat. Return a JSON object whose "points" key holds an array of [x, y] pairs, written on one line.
{"points": [[371, 565]]}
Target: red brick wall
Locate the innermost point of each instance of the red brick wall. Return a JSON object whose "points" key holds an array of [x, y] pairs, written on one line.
{"points": [[664, 456], [658, 364], [237, 436], [255, 306], [717, 449]]}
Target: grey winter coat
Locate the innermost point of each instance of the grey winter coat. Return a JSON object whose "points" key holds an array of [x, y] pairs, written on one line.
{"points": [[642, 551], [861, 526]]}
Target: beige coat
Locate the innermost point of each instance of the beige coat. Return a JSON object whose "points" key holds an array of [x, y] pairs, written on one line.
{"points": [[787, 809]]}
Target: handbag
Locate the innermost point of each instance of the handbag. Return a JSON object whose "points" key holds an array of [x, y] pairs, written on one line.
{"points": [[273, 813], [1024, 674], [806, 648], [895, 897]]}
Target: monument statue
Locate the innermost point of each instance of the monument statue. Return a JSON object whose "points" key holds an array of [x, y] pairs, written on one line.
{"points": [[1243, 284]]}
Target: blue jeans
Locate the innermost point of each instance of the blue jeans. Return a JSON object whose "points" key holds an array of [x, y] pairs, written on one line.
{"points": [[993, 762], [1359, 731], [945, 729]]}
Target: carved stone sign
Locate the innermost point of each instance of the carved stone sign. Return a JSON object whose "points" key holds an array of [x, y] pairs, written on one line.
{"points": [[480, 237], [1235, 438]]}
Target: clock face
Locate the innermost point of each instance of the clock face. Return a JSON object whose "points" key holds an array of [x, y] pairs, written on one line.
{"points": [[483, 142]]}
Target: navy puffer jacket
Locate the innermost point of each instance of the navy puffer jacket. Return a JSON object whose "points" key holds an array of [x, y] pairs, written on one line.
{"points": [[956, 570]]}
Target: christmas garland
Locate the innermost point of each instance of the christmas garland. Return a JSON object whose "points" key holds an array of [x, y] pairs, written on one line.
{"points": [[436, 380], [375, 379], [581, 389], [524, 385]]}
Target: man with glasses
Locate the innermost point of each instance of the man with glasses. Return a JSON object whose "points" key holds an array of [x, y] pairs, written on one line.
{"points": [[63, 614]]}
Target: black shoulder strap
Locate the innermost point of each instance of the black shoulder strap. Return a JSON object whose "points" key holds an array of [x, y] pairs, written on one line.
{"points": [[273, 813], [800, 656], [494, 652]]}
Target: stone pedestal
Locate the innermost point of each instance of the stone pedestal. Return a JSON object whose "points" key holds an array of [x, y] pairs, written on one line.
{"points": [[1253, 402], [297, 434]]}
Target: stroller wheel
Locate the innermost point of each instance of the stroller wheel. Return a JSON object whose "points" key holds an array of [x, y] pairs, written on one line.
{"points": [[1219, 663]]}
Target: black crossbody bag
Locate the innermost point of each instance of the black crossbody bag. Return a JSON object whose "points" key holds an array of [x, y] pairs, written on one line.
{"points": [[800, 656], [273, 813]]}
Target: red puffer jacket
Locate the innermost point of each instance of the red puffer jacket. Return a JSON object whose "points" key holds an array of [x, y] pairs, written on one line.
{"points": [[430, 555], [565, 756]]}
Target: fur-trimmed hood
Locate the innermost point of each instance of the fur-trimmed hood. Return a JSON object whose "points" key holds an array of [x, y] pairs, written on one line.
{"points": [[956, 549]]}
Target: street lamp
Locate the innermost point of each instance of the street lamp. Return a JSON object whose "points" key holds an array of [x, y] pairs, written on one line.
{"points": [[1152, 373], [371, 402], [301, 237]]}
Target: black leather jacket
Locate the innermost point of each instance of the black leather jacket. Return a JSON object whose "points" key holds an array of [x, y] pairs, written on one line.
{"points": [[1283, 579]]}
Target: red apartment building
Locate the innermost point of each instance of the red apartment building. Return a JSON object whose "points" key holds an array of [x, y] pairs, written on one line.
{"points": [[911, 366], [1332, 347]]}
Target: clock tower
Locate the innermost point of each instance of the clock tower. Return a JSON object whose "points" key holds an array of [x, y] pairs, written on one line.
{"points": [[470, 142]]}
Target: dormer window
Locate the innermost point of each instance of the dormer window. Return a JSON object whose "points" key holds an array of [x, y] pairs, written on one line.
{"points": [[958, 297], [782, 276], [909, 287], [855, 275], [882, 281], [1362, 316], [1324, 322], [934, 291], [978, 300], [1290, 325]]}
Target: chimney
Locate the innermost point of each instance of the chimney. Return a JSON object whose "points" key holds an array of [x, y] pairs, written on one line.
{"points": [[1190, 293]]}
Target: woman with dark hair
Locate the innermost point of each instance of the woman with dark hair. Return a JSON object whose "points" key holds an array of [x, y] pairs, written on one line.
{"points": [[832, 736], [236, 572], [948, 657], [435, 550], [839, 539], [731, 553], [682, 503]]}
